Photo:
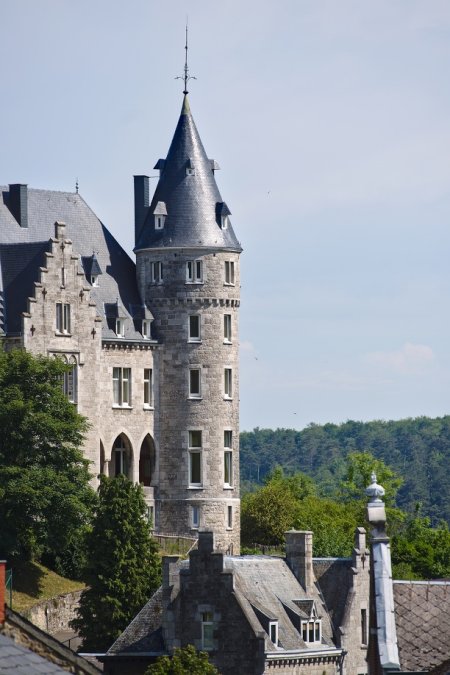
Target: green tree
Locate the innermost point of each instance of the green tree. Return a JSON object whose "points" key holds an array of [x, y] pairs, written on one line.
{"points": [[123, 567], [185, 661], [360, 466], [420, 551], [45, 497]]}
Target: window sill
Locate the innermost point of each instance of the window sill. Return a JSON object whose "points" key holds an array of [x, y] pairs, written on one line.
{"points": [[228, 529], [228, 487], [228, 283], [194, 283], [227, 342], [227, 398], [195, 398], [194, 341], [195, 487], [148, 407], [122, 407], [58, 334]]}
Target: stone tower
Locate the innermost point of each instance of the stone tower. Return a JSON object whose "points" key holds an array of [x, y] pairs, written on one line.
{"points": [[188, 272]]}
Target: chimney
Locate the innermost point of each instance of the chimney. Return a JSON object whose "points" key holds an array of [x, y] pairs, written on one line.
{"points": [[18, 203], [299, 557], [2, 591], [169, 570], [141, 203]]}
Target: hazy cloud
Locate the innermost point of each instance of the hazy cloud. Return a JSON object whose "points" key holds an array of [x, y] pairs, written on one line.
{"points": [[408, 360]]}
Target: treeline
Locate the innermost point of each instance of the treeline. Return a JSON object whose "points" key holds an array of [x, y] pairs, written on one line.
{"points": [[417, 449]]}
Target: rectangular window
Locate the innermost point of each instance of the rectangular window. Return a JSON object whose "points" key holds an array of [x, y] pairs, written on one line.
{"points": [[195, 516], [195, 383], [146, 329], [229, 272], [228, 383], [273, 631], [228, 458], [156, 272], [63, 317], [194, 271], [148, 388], [159, 222], [229, 517], [120, 328], [364, 626], [207, 630], [227, 328], [194, 328], [195, 458], [122, 387], [311, 631]]}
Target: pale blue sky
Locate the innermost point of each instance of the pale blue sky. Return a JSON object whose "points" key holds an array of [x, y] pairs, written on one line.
{"points": [[331, 123]]}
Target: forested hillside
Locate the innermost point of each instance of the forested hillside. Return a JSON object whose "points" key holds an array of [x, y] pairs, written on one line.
{"points": [[418, 449]]}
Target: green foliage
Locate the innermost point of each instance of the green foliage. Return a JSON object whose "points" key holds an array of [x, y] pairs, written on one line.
{"points": [[45, 497], [123, 567], [421, 552], [360, 466], [185, 661], [417, 449]]}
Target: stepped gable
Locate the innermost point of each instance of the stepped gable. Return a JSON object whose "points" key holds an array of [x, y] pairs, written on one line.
{"points": [[192, 202], [22, 252], [422, 616]]}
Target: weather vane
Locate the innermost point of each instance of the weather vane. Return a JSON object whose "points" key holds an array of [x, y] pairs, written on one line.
{"points": [[186, 77]]}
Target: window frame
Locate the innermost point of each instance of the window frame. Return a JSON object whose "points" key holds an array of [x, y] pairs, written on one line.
{"points": [[195, 516], [194, 271], [273, 626], [228, 458], [227, 329], [70, 380], [156, 272], [228, 384], [120, 328], [192, 393], [195, 449], [229, 275], [159, 221], [122, 392], [229, 517], [207, 622], [148, 388], [146, 329], [63, 318], [198, 337], [313, 625]]}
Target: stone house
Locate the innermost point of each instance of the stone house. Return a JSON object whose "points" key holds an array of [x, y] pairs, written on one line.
{"points": [[151, 347], [255, 614]]}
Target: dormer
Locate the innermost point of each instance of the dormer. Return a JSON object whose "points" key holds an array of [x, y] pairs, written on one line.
{"points": [[310, 622], [268, 622], [142, 319], [159, 214], [159, 166], [222, 215], [116, 317], [190, 168], [92, 269]]}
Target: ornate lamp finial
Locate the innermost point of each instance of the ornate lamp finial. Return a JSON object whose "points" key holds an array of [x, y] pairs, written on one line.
{"points": [[186, 77], [375, 491]]}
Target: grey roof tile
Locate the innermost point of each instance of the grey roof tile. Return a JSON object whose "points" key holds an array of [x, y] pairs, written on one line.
{"points": [[191, 200], [334, 578], [18, 660]]}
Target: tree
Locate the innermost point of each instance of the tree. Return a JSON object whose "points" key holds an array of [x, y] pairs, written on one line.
{"points": [[123, 566], [420, 551], [185, 661], [360, 466], [45, 496]]}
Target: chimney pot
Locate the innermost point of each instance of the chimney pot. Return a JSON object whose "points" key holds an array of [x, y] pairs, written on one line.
{"points": [[141, 203]]}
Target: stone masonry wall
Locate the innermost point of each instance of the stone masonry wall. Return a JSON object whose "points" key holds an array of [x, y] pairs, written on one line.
{"points": [[54, 615]]}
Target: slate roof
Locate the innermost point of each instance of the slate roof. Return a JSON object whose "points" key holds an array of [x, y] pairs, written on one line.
{"points": [[334, 578], [191, 200], [143, 635], [22, 252], [422, 616], [18, 660]]}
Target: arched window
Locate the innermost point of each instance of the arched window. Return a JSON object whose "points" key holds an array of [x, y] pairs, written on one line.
{"points": [[121, 458], [147, 461], [102, 458]]}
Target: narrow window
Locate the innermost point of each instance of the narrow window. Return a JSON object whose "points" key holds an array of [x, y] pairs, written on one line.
{"points": [[159, 222], [190, 171], [195, 516], [304, 631], [63, 277], [146, 329], [63, 317], [364, 626], [194, 271], [195, 458], [156, 272], [228, 458], [120, 328], [120, 458], [224, 222], [148, 388], [70, 381], [122, 387], [194, 328], [227, 328], [207, 630], [194, 383], [94, 280], [317, 637], [273, 631], [311, 631], [151, 516], [228, 383], [229, 517], [229, 272]]}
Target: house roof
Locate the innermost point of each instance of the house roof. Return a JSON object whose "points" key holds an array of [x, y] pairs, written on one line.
{"points": [[143, 635], [191, 200], [334, 578], [422, 616], [14, 658], [22, 253]]}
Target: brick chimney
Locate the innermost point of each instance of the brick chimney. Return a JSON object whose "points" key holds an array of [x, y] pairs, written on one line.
{"points": [[18, 203], [299, 557], [2, 591], [141, 203]]}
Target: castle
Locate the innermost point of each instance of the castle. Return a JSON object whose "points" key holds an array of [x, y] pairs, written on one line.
{"points": [[152, 347]]}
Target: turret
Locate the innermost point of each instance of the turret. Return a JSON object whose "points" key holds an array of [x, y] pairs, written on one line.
{"points": [[188, 273]]}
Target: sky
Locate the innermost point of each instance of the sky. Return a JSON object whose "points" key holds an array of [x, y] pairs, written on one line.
{"points": [[331, 124]]}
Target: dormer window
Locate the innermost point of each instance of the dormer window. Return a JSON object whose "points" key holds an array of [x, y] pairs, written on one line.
{"points": [[160, 213], [94, 280], [190, 168], [224, 222], [273, 632], [146, 329], [312, 631], [120, 328], [159, 222]]}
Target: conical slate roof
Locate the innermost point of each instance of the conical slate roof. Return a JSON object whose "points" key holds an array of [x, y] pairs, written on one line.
{"points": [[188, 190]]}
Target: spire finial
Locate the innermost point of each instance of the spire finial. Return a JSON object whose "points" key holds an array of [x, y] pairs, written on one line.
{"points": [[76, 185], [186, 77]]}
